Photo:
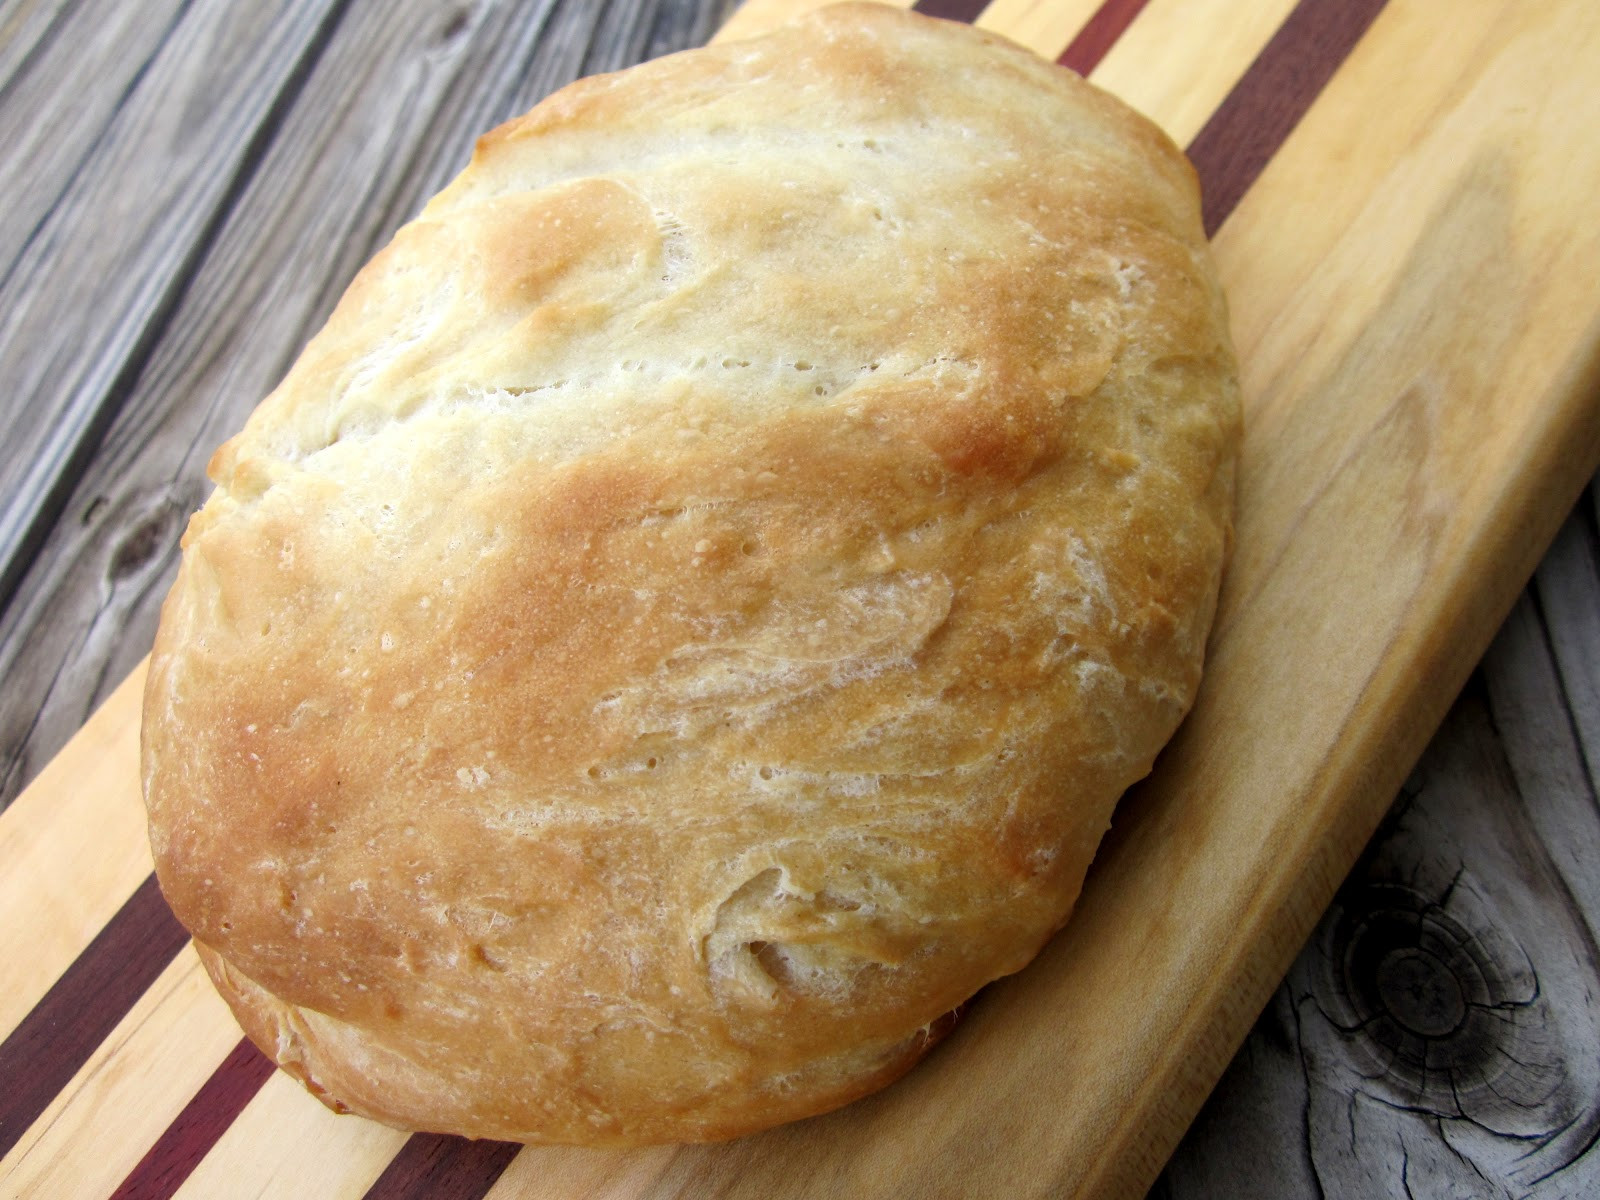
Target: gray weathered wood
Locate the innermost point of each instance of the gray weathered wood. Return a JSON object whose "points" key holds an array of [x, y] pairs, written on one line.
{"points": [[93, 283], [389, 112], [25, 25], [94, 52], [1439, 1036], [1567, 586]]}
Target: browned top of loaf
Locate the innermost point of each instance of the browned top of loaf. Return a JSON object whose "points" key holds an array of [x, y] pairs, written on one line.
{"points": [[684, 623]]}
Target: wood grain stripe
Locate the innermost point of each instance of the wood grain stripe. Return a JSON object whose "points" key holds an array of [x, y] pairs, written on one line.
{"points": [[1043, 26], [128, 1091], [285, 1136], [951, 10], [1264, 107], [1097, 37], [196, 1129], [435, 1166], [1154, 66], [96, 992]]}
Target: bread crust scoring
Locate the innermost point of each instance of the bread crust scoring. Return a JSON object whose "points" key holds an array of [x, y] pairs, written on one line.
{"points": [[683, 625]]}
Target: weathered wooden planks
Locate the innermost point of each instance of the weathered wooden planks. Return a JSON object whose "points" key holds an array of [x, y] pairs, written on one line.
{"points": [[94, 279], [95, 55], [1328, 264]]}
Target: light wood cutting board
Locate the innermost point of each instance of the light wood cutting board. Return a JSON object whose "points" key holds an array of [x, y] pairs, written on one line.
{"points": [[1405, 200]]}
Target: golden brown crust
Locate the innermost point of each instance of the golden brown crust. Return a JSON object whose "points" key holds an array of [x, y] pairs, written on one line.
{"points": [[683, 625]]}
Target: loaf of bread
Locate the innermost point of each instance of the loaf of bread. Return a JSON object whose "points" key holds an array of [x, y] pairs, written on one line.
{"points": [[683, 625]]}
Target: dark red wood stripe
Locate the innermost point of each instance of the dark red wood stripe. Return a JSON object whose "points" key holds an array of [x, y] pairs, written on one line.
{"points": [[1097, 37], [195, 1130], [1267, 103], [45, 1051], [434, 1166], [951, 10]]}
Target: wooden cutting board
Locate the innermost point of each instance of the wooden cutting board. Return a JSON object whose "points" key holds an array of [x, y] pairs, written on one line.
{"points": [[1402, 200]]}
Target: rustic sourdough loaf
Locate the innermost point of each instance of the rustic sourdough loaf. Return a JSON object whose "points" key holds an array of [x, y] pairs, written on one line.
{"points": [[683, 625]]}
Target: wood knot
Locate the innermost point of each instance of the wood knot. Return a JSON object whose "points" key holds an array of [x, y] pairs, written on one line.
{"points": [[144, 535], [456, 24], [1436, 1006], [1422, 992]]}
